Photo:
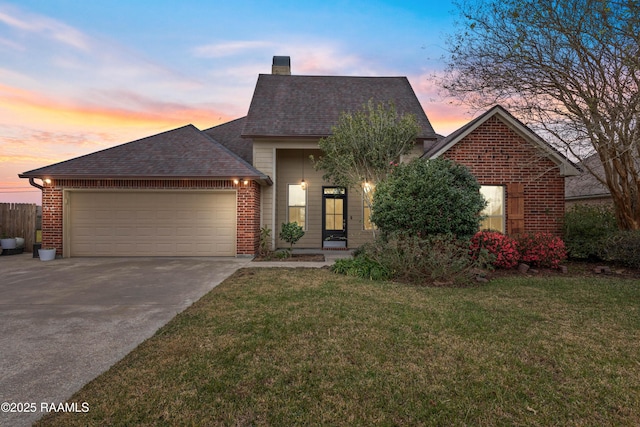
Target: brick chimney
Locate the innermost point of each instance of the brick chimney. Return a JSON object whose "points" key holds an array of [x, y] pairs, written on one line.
{"points": [[281, 65]]}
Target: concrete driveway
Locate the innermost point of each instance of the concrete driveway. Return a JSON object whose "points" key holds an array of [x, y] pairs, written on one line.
{"points": [[64, 322]]}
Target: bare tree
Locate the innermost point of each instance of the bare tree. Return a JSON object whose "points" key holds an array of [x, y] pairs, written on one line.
{"points": [[570, 69]]}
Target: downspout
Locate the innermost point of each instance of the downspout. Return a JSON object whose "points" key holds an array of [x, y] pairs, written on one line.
{"points": [[32, 182]]}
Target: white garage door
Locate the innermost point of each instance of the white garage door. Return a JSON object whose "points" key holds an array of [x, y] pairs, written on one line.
{"points": [[104, 223]]}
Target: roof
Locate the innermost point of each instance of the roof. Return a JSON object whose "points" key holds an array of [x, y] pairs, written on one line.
{"points": [[585, 185], [567, 168], [228, 134], [309, 106], [185, 152]]}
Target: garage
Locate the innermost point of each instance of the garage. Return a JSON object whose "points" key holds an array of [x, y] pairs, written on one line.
{"points": [[150, 223]]}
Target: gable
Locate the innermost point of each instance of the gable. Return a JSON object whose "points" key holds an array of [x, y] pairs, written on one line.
{"points": [[309, 106], [539, 148]]}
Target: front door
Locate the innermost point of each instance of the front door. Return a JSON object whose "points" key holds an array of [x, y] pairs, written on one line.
{"points": [[334, 217]]}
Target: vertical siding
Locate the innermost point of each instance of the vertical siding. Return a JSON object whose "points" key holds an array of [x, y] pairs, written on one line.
{"points": [[263, 161]]}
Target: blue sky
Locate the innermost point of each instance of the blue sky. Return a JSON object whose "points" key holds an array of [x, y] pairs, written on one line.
{"points": [[80, 76]]}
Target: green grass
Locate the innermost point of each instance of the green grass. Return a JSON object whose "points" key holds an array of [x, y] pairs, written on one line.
{"points": [[309, 347]]}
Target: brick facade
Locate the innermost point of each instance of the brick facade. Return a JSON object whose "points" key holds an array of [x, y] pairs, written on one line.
{"points": [[497, 155], [247, 208], [248, 211]]}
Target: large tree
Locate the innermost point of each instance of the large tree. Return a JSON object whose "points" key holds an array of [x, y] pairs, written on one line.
{"points": [[364, 145], [570, 69]]}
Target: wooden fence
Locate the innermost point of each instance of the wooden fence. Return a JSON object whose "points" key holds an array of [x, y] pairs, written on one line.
{"points": [[19, 220]]}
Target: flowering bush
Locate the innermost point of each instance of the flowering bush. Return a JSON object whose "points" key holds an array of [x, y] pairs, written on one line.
{"points": [[503, 248], [541, 249]]}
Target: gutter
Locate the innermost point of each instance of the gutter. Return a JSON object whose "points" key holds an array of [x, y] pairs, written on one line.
{"points": [[33, 183]]}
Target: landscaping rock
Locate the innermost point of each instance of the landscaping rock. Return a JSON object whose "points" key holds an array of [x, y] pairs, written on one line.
{"points": [[523, 268], [602, 269], [564, 269], [533, 271]]}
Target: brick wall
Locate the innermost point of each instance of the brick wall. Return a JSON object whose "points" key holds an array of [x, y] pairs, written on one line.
{"points": [[497, 155], [248, 206], [248, 219]]}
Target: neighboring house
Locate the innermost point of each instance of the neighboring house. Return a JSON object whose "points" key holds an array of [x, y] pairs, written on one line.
{"points": [[187, 192], [586, 188]]}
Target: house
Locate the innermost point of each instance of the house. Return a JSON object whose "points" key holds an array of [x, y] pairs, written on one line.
{"points": [[585, 188], [521, 175], [188, 192]]}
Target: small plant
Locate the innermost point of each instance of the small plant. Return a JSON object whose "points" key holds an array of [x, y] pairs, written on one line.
{"points": [[291, 232], [361, 266], [502, 248], [283, 253], [265, 250], [541, 249]]}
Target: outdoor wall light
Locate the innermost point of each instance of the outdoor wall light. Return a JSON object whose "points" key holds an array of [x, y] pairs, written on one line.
{"points": [[246, 182], [236, 182], [303, 184], [47, 181]]}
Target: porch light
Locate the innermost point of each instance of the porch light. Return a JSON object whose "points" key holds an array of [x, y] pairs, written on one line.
{"points": [[236, 182], [303, 184], [246, 182], [47, 181]]}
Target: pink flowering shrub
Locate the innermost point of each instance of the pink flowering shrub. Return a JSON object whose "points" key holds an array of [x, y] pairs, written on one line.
{"points": [[541, 249], [503, 248]]}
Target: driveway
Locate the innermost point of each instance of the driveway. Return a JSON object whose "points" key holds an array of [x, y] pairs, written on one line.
{"points": [[64, 322]]}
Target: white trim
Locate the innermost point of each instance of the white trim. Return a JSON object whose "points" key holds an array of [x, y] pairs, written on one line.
{"points": [[274, 231]]}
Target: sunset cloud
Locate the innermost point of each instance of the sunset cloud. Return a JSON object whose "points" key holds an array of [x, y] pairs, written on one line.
{"points": [[45, 26], [218, 50]]}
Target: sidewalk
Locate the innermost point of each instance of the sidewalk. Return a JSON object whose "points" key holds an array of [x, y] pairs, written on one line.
{"points": [[329, 258]]}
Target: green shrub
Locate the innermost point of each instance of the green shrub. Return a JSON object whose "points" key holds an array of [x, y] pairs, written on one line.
{"points": [[541, 249], [361, 266], [433, 260], [291, 232], [426, 198], [624, 247], [586, 230]]}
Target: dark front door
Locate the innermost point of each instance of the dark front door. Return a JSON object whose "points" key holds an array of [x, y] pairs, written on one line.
{"points": [[334, 217]]}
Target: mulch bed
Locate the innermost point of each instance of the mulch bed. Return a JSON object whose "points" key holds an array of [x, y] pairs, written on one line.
{"points": [[293, 258], [574, 269]]}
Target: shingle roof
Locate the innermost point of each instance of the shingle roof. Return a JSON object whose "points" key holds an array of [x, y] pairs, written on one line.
{"points": [[585, 185], [308, 106], [185, 152], [567, 168], [228, 134]]}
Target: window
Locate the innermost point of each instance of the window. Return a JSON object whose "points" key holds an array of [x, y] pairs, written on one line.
{"points": [[494, 212], [297, 205], [367, 198]]}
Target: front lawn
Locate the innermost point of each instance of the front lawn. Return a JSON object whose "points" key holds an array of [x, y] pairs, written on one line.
{"points": [[309, 347]]}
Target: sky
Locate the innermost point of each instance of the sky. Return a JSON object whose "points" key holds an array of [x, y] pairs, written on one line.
{"points": [[79, 76]]}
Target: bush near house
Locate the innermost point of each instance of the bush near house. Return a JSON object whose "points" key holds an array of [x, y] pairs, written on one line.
{"points": [[426, 198], [291, 232], [541, 249], [502, 249], [623, 247], [439, 260], [587, 230]]}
